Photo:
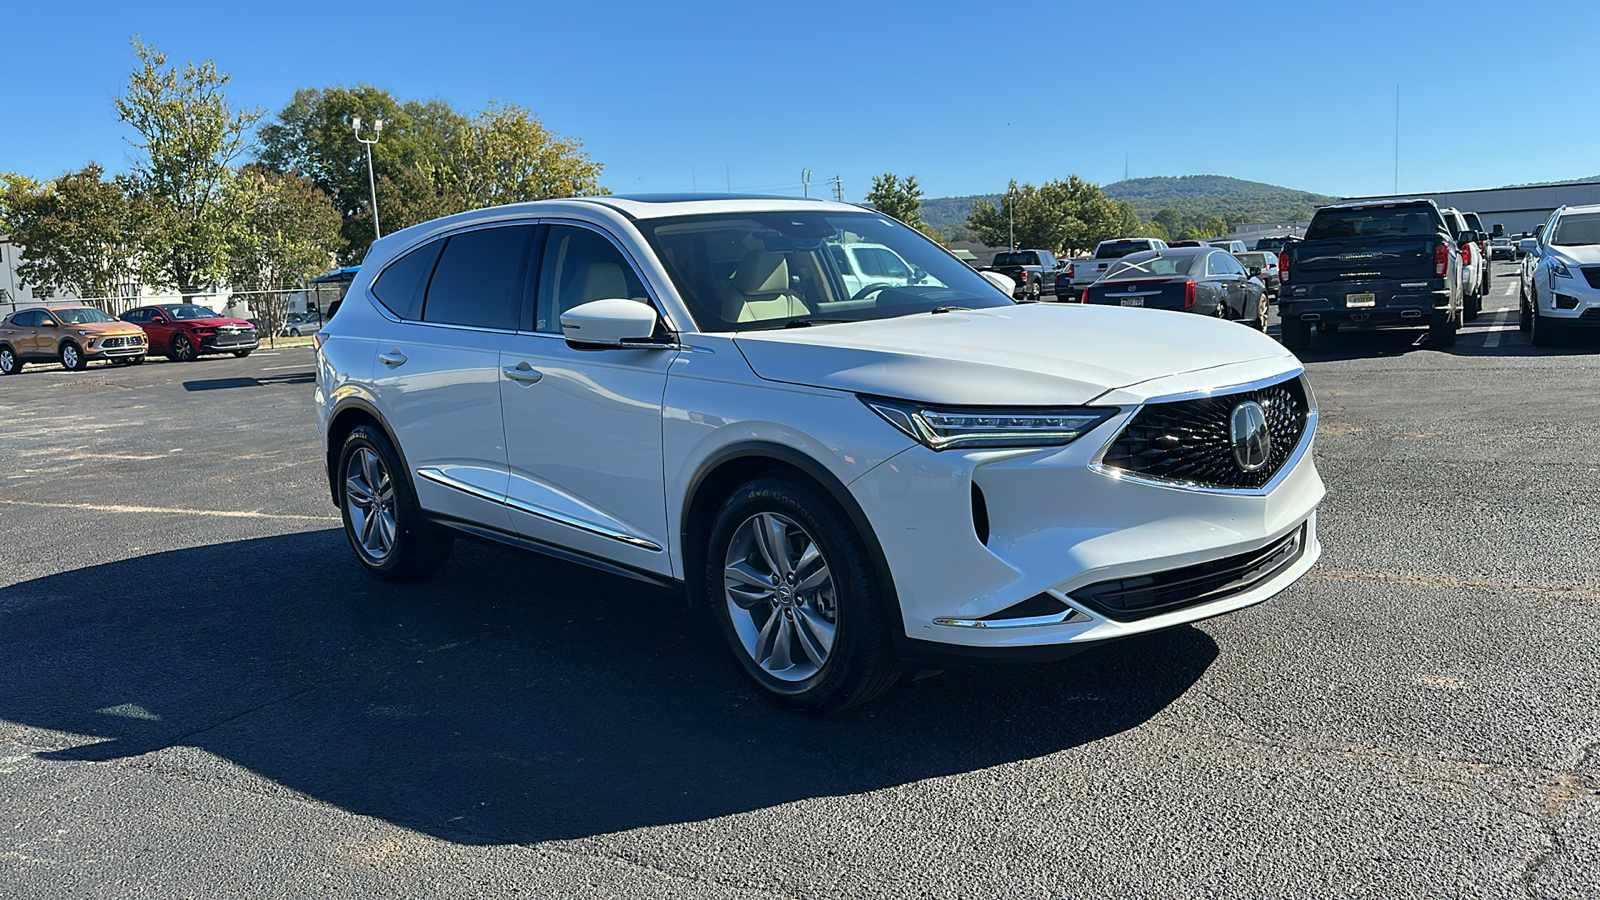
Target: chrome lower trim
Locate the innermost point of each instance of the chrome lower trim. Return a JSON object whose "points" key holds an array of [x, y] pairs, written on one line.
{"points": [[1062, 618], [439, 477]]}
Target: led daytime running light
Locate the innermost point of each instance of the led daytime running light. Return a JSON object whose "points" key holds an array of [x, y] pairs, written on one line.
{"points": [[947, 429]]}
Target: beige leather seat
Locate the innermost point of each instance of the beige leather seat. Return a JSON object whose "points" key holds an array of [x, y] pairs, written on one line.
{"points": [[759, 290]]}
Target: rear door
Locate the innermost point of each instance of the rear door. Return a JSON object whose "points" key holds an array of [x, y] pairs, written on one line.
{"points": [[583, 427], [438, 370]]}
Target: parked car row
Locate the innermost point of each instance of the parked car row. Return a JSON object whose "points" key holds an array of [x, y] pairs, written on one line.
{"points": [[75, 336], [1560, 278]]}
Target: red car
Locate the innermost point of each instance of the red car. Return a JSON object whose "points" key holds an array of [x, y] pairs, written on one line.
{"points": [[184, 331]]}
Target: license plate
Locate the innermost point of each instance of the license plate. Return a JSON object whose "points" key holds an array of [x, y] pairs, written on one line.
{"points": [[1360, 299], [1132, 301]]}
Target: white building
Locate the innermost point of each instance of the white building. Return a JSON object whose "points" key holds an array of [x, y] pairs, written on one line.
{"points": [[1512, 210]]}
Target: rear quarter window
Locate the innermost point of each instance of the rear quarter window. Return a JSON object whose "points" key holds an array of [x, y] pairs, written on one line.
{"points": [[478, 279], [400, 286]]}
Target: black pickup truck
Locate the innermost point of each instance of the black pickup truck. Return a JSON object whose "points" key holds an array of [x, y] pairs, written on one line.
{"points": [[1389, 263], [1034, 271]]}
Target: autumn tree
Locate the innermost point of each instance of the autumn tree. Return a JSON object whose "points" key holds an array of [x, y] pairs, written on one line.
{"points": [[287, 231], [80, 232], [188, 138]]}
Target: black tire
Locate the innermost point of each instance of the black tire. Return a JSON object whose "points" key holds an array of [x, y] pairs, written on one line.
{"points": [[242, 353], [1524, 309], [860, 662], [1297, 335], [1543, 331], [294, 332], [181, 349], [72, 358], [136, 360], [1263, 313], [1474, 306], [415, 548], [1442, 332], [9, 363]]}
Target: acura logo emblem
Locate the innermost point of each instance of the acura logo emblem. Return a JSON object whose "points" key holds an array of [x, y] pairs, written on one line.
{"points": [[1252, 441]]}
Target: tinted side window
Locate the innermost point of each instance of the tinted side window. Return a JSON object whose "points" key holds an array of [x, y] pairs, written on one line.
{"points": [[25, 319], [579, 266], [478, 281], [400, 286], [138, 315]]}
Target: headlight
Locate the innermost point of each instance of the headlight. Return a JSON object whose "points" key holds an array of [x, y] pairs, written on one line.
{"points": [[1559, 269], [85, 333], [949, 429]]}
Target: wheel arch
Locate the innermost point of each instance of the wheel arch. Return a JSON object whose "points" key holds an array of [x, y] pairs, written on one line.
{"points": [[720, 474], [349, 415]]}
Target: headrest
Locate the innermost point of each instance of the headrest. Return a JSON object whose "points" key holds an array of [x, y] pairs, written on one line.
{"points": [[603, 281], [762, 272]]}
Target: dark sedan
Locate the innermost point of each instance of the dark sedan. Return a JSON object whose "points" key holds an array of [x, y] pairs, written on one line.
{"points": [[1201, 280]]}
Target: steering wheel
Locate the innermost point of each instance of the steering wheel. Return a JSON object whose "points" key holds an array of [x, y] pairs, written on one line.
{"points": [[871, 289]]}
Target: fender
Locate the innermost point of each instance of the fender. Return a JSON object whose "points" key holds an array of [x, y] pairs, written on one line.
{"points": [[822, 476]]}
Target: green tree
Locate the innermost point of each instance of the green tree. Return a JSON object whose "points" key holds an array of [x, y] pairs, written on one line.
{"points": [[506, 155], [286, 231], [79, 232], [313, 136], [899, 199], [1035, 215], [188, 138], [1172, 221], [13, 182]]}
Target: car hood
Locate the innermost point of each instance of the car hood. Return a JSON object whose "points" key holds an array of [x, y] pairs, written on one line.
{"points": [[217, 322], [1583, 255], [107, 328], [1030, 355]]}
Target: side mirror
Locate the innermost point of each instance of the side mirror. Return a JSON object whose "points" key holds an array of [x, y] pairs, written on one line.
{"points": [[1529, 246], [158, 319], [1254, 271], [918, 275], [1001, 282], [608, 324]]}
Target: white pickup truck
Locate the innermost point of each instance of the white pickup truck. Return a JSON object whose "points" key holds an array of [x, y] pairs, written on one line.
{"points": [[1080, 273]]}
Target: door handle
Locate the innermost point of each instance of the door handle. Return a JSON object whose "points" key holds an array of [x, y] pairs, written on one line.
{"points": [[393, 358], [523, 373]]}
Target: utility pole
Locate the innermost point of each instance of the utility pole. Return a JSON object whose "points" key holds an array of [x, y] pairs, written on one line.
{"points": [[838, 188], [1124, 166], [372, 181], [1397, 139], [1011, 218]]}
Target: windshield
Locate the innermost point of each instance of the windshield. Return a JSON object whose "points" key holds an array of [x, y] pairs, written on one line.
{"points": [[1019, 258], [744, 271], [82, 316], [1372, 221], [1152, 265], [1577, 230], [189, 312], [1119, 249]]}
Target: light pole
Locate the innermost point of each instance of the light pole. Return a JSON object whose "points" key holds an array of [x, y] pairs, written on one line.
{"points": [[372, 181], [1011, 221]]}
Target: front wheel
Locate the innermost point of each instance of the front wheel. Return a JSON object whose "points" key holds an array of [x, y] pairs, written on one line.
{"points": [[136, 360], [1263, 311], [794, 593], [1543, 332], [72, 358], [181, 349], [241, 353], [380, 511], [1524, 310]]}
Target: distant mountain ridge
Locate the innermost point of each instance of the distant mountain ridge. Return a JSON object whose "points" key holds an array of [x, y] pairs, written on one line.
{"points": [[1233, 199]]}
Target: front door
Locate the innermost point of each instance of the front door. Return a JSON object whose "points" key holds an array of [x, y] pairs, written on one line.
{"points": [[583, 427]]}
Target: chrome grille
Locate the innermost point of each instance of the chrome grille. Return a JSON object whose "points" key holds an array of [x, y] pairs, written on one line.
{"points": [[1188, 441]]}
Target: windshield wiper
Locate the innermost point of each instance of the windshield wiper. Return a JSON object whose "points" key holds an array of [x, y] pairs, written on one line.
{"points": [[949, 309], [814, 320]]}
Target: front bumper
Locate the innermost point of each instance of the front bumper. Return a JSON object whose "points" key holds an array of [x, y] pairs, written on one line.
{"points": [[1059, 525], [1574, 302], [228, 343], [115, 347]]}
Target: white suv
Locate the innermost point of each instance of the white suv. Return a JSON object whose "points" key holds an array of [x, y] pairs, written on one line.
{"points": [[1561, 276], [683, 390]]}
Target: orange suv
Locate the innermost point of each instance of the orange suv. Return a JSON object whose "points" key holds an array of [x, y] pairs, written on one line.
{"points": [[71, 335]]}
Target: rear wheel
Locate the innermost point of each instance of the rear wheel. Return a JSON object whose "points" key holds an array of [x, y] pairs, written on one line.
{"points": [[794, 593], [1297, 334], [381, 516], [72, 357], [9, 364], [1473, 307], [1442, 333]]}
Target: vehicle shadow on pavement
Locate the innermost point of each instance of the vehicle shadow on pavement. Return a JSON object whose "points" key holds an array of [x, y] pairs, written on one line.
{"points": [[222, 384], [511, 698]]}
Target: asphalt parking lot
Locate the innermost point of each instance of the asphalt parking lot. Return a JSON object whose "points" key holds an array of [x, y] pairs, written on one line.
{"points": [[201, 693]]}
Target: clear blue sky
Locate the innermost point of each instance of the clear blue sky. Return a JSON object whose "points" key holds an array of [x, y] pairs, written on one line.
{"points": [[672, 97]]}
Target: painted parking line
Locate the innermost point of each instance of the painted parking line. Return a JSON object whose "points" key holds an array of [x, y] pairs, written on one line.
{"points": [[1493, 340], [167, 510], [281, 368]]}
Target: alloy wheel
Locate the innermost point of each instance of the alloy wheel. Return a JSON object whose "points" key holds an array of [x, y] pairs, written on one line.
{"points": [[8, 361], [781, 596], [369, 498], [69, 356]]}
